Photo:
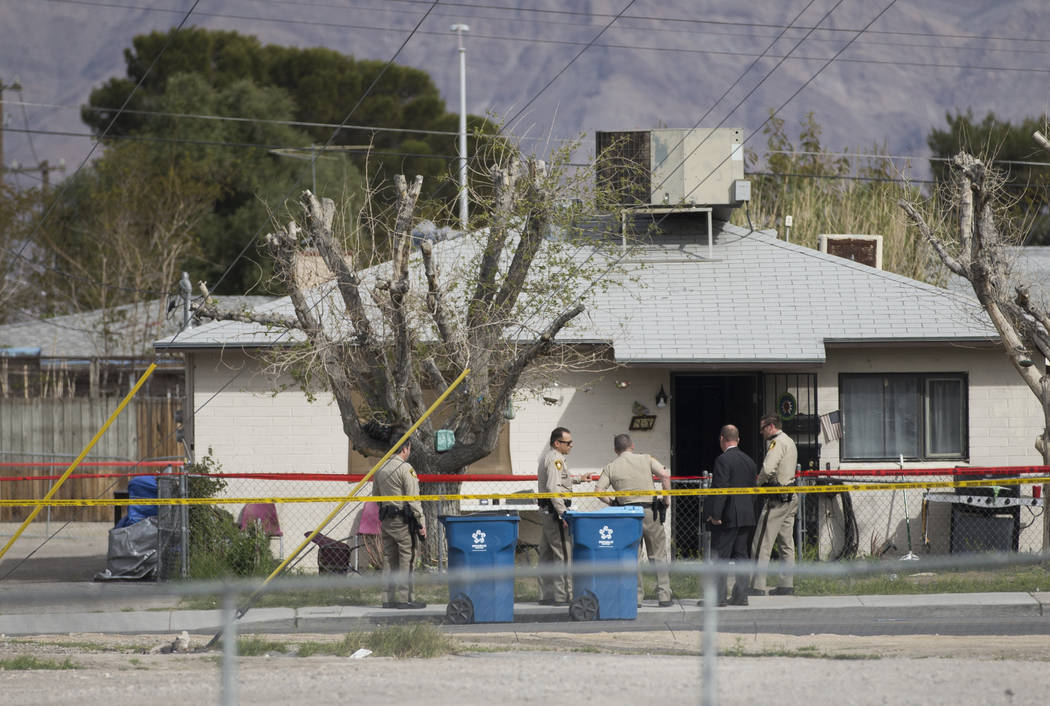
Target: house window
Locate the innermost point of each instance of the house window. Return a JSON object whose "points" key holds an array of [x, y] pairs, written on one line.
{"points": [[922, 416]]}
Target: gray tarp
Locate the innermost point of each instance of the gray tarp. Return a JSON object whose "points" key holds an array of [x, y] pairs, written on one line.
{"points": [[132, 552]]}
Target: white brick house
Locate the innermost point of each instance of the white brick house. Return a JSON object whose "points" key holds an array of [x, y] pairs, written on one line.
{"points": [[729, 333]]}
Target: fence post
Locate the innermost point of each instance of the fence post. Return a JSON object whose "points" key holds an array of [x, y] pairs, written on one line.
{"points": [[800, 515], [709, 687], [229, 647]]}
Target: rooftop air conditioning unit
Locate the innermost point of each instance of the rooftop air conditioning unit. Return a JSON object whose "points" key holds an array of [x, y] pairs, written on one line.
{"points": [[673, 168]]}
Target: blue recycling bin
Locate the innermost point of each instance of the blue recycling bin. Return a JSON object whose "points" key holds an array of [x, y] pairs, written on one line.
{"points": [[484, 541], [609, 535]]}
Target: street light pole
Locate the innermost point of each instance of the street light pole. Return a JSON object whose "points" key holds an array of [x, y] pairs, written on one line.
{"points": [[459, 29]]}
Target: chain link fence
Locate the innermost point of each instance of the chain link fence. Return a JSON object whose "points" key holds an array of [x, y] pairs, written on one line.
{"points": [[709, 653], [1002, 513]]}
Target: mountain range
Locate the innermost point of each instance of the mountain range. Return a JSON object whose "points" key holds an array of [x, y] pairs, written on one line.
{"points": [[570, 67]]}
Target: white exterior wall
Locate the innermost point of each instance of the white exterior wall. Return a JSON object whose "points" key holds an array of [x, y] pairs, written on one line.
{"points": [[250, 429], [595, 410], [1004, 421]]}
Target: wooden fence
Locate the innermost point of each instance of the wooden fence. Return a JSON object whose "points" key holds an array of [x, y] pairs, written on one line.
{"points": [[56, 431]]}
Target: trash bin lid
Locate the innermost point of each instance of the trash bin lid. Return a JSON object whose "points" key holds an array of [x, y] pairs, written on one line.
{"points": [[481, 517], [617, 510]]}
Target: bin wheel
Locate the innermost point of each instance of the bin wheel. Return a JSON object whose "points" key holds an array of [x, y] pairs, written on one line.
{"points": [[460, 610], [584, 607]]}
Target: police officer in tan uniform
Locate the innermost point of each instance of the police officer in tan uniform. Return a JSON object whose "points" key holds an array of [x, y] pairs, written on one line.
{"points": [[553, 477], [776, 524], [631, 471], [402, 523]]}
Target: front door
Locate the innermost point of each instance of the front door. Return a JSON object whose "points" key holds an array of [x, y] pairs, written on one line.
{"points": [[701, 406]]}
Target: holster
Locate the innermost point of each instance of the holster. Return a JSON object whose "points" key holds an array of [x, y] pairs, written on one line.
{"points": [[659, 510], [410, 520], [546, 505]]}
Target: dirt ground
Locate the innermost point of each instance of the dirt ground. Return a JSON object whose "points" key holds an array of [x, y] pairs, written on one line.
{"points": [[543, 668]]}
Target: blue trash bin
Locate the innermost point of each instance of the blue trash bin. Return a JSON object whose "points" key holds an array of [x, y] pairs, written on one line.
{"points": [[609, 535], [484, 541]]}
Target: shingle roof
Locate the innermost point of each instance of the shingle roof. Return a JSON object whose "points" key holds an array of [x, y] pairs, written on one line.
{"points": [[124, 331], [758, 299]]}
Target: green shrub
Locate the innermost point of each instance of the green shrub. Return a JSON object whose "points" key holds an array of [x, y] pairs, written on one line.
{"points": [[218, 548]]}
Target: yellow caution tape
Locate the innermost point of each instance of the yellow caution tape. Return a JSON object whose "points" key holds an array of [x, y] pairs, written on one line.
{"points": [[765, 490]]}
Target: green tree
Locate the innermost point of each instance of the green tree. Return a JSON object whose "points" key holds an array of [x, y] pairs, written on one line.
{"points": [[1026, 185], [186, 194], [323, 85]]}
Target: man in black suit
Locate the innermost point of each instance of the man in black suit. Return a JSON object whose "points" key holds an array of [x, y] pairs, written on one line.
{"points": [[731, 517]]}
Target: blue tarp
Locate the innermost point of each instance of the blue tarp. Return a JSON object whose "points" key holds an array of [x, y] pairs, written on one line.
{"points": [[144, 488]]}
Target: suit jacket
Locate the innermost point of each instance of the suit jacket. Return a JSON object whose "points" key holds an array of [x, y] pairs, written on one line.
{"points": [[733, 469]]}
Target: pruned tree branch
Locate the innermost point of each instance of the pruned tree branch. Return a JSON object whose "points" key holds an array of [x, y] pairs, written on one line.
{"points": [[436, 299], [208, 309], [503, 184], [1043, 142], [919, 222]]}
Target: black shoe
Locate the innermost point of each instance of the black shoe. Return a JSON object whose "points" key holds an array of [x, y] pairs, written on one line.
{"points": [[756, 592], [546, 601], [666, 604], [410, 605], [721, 604], [738, 600], [390, 604], [783, 591]]}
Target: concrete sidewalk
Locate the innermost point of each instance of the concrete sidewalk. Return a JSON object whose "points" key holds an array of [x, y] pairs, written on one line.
{"points": [[130, 608]]}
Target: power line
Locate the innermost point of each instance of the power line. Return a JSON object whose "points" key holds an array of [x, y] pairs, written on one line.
{"points": [[571, 61], [316, 149], [621, 27], [734, 23], [632, 47], [335, 132], [845, 177], [931, 158], [244, 119], [379, 128], [143, 138], [749, 93], [65, 186], [773, 113], [25, 121]]}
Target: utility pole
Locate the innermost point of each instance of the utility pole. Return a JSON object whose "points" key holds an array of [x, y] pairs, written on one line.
{"points": [[459, 29], [44, 168], [16, 86]]}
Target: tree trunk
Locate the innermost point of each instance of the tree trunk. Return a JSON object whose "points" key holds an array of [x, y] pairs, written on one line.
{"points": [[435, 549]]}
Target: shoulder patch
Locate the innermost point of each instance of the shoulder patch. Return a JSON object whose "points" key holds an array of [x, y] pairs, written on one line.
{"points": [[772, 444], [413, 472], [559, 465]]}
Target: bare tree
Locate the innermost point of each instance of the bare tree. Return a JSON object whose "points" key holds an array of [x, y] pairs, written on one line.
{"points": [[972, 237], [119, 250], [19, 294], [395, 324]]}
